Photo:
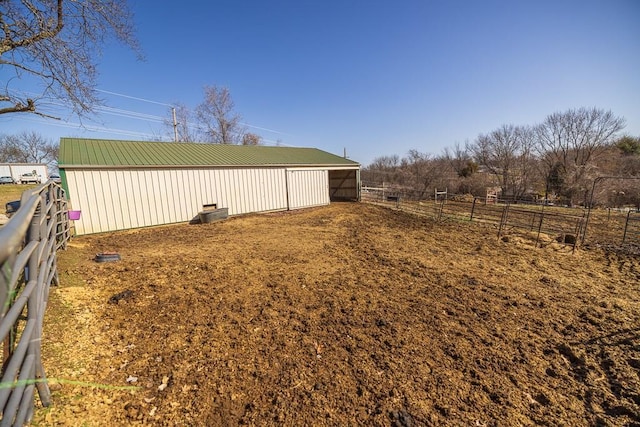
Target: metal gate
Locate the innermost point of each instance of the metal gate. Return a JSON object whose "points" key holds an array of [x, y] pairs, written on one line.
{"points": [[28, 245]]}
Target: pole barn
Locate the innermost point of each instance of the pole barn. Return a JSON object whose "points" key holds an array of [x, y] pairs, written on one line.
{"points": [[119, 185]]}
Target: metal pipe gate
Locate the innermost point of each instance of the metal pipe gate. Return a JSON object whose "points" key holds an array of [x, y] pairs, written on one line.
{"points": [[28, 245]]}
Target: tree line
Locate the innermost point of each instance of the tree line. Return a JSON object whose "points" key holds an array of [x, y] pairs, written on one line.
{"points": [[555, 160], [28, 147]]}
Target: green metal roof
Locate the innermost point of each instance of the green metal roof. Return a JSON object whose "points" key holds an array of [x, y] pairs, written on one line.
{"points": [[79, 152]]}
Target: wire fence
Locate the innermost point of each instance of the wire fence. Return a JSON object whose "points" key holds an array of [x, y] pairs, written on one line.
{"points": [[632, 227], [542, 222], [28, 267]]}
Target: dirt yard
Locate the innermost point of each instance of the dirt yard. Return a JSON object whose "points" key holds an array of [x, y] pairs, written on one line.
{"points": [[350, 314]]}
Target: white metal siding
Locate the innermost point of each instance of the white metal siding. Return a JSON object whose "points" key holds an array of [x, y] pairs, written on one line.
{"points": [[120, 199], [307, 188]]}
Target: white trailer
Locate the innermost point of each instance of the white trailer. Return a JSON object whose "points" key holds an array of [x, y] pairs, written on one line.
{"points": [[15, 170], [5, 170]]}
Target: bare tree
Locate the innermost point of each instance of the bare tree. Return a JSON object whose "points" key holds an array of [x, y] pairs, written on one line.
{"points": [[460, 160], [570, 143], [507, 154], [463, 169], [422, 172], [28, 147], [10, 151], [382, 169], [217, 116], [251, 139], [527, 179], [56, 42]]}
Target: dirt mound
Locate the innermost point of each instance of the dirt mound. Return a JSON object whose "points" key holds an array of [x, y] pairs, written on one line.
{"points": [[342, 315]]}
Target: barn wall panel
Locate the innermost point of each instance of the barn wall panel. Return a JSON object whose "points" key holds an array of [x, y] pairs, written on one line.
{"points": [[121, 199], [307, 188], [128, 199]]}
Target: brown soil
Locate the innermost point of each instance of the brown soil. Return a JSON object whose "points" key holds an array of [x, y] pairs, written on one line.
{"points": [[341, 315]]}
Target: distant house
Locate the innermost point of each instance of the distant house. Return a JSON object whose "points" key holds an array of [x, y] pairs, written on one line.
{"points": [[128, 184]]}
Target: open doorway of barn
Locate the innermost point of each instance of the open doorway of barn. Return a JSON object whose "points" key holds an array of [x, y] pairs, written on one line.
{"points": [[344, 185]]}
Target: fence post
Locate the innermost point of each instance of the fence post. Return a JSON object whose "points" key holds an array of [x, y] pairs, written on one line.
{"points": [[503, 219], [540, 226], [473, 208], [626, 224], [579, 225]]}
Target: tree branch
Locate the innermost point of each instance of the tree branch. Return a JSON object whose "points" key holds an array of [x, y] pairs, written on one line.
{"points": [[9, 44], [20, 108]]}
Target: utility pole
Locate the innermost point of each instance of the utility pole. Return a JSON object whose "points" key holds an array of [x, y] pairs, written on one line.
{"points": [[175, 124]]}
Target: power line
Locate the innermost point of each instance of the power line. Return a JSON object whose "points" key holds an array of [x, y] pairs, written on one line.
{"points": [[129, 114], [172, 106], [116, 131], [265, 129], [133, 97], [102, 129]]}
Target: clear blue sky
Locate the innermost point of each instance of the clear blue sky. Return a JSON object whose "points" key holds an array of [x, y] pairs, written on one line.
{"points": [[374, 77]]}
